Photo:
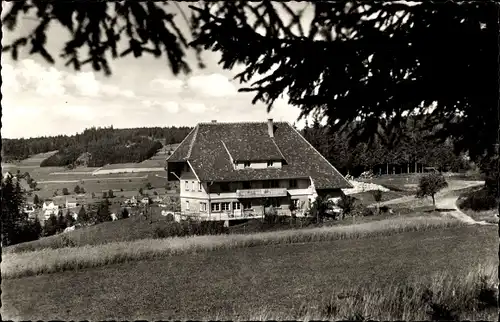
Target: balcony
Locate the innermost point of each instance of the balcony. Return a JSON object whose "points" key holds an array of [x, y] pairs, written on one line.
{"points": [[261, 193]]}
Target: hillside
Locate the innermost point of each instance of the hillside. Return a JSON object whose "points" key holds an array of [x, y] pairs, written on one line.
{"points": [[95, 147]]}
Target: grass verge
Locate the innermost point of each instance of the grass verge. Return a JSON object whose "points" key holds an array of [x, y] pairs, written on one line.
{"points": [[74, 258], [285, 280]]}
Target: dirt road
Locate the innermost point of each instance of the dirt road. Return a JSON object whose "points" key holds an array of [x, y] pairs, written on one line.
{"points": [[445, 199]]}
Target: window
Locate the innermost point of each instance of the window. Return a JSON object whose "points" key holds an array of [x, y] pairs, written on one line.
{"points": [[203, 206], [246, 185], [215, 206], [187, 205], [200, 188], [270, 163], [225, 206], [193, 185], [293, 183], [247, 205], [295, 203], [246, 164], [236, 206], [186, 183], [224, 186], [271, 184]]}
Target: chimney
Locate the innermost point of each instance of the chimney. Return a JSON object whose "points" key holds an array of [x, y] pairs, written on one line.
{"points": [[214, 121], [270, 127]]}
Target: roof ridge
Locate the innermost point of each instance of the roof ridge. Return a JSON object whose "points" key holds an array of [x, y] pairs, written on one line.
{"points": [[192, 142], [245, 122]]}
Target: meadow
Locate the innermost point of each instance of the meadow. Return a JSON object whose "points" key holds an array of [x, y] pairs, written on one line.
{"points": [[371, 272], [48, 260]]}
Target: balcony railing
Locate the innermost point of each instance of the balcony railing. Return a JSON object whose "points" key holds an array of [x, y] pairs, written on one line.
{"points": [[261, 193]]}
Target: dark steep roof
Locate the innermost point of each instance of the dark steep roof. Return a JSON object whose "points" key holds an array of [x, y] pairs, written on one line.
{"points": [[207, 146]]}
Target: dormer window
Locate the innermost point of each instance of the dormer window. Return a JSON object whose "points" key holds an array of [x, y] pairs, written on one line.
{"points": [[270, 164], [246, 164]]}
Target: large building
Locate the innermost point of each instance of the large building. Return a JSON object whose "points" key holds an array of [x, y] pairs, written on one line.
{"points": [[231, 170]]}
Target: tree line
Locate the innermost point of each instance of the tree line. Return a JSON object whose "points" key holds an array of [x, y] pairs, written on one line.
{"points": [[98, 146], [415, 148]]}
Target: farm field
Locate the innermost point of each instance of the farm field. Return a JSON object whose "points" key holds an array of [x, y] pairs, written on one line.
{"points": [[232, 284], [34, 160]]}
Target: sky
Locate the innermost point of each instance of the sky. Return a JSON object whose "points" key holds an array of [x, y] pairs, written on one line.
{"points": [[42, 99]]}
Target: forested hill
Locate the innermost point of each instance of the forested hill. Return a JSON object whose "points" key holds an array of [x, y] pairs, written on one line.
{"points": [[99, 146]]}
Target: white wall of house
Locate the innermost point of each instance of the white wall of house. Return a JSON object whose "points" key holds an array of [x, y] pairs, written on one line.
{"points": [[192, 192]]}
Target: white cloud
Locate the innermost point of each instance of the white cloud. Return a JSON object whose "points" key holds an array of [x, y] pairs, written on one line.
{"points": [[167, 85], [195, 107], [216, 85], [85, 83], [80, 112], [115, 91], [156, 106], [171, 107], [33, 79]]}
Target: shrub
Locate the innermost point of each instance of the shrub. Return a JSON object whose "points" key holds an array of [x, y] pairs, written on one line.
{"points": [[170, 217], [65, 191], [480, 200], [347, 203], [377, 195], [384, 209], [367, 212], [50, 227], [190, 228], [272, 218], [124, 213]]}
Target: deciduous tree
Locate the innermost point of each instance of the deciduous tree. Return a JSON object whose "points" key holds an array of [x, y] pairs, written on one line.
{"points": [[431, 184]]}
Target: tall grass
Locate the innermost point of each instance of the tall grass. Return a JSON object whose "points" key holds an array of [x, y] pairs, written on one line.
{"points": [[443, 297], [73, 258]]}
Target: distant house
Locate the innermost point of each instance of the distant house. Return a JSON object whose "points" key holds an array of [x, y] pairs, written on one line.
{"points": [[74, 215], [49, 208], [7, 175], [132, 201], [235, 170], [71, 202], [50, 205]]}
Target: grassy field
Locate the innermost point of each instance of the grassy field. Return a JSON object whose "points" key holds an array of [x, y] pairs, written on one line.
{"points": [[366, 198], [275, 280], [409, 182], [74, 258], [137, 227]]}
